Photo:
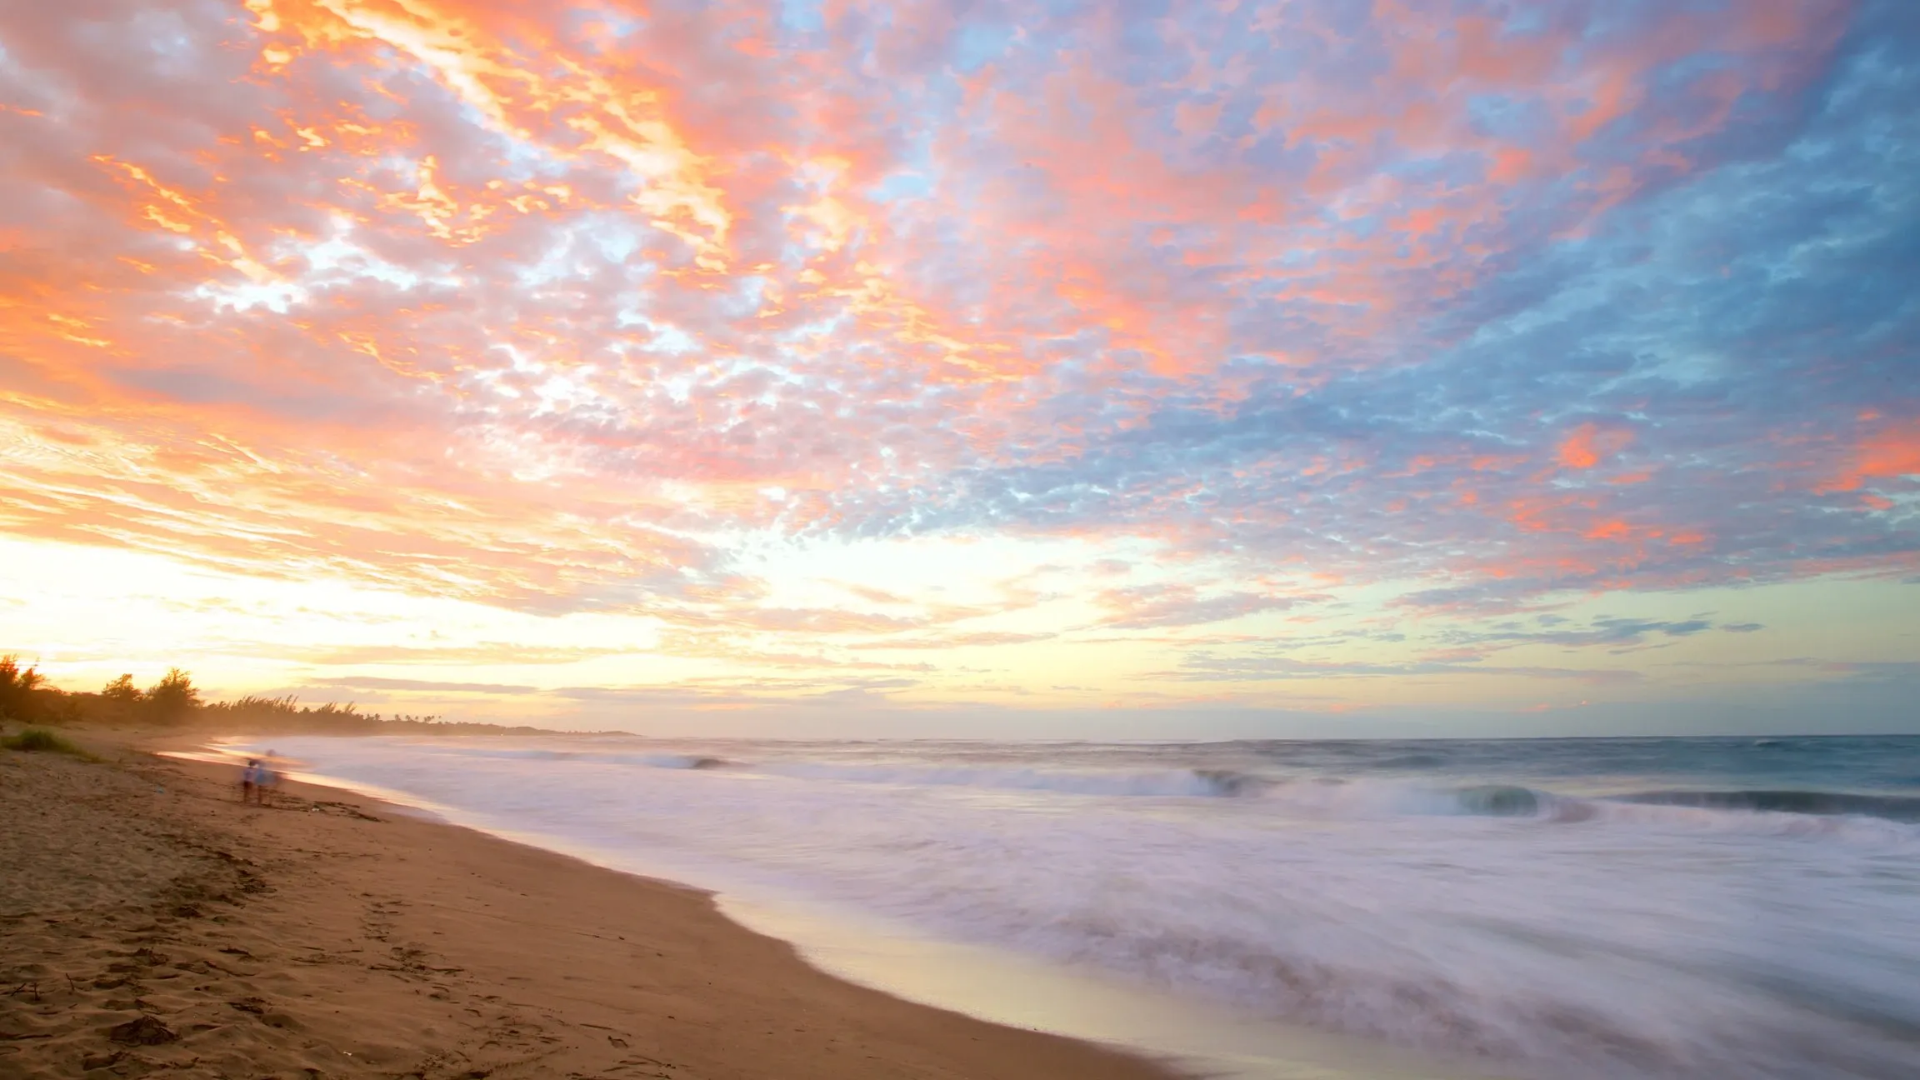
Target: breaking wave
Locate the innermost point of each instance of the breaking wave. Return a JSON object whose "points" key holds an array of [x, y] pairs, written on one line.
{"points": [[1578, 910], [1171, 783], [682, 761], [1330, 796], [1822, 803]]}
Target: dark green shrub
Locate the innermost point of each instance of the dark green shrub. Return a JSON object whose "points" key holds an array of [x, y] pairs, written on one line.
{"points": [[42, 741]]}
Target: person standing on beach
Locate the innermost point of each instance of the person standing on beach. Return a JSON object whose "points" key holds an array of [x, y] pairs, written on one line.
{"points": [[253, 785]]}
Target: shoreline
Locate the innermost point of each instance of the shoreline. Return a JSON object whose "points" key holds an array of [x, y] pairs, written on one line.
{"points": [[152, 922], [981, 982]]}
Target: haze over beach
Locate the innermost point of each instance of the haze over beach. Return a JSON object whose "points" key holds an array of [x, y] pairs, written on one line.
{"points": [[1324, 538]]}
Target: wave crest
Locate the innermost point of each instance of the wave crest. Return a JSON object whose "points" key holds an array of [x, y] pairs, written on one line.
{"points": [[1820, 803], [1165, 783], [683, 761]]}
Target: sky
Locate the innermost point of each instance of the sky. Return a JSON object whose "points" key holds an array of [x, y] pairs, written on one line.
{"points": [[1052, 369]]}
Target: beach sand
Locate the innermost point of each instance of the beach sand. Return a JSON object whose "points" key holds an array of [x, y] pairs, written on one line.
{"points": [[149, 923]]}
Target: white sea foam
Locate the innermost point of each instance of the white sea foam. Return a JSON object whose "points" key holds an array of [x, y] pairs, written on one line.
{"points": [[1570, 934], [1161, 782]]}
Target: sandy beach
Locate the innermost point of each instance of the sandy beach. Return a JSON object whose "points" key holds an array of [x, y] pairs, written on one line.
{"points": [[151, 923]]}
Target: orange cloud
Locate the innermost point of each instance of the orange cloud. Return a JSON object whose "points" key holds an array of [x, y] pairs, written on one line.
{"points": [[1891, 453], [1589, 445]]}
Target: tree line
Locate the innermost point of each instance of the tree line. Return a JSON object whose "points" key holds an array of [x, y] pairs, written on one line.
{"points": [[26, 697]]}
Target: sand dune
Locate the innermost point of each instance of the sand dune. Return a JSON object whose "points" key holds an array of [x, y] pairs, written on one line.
{"points": [[149, 923]]}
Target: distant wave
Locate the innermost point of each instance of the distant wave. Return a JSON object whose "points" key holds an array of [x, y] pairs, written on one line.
{"points": [[1201, 783], [1410, 761], [445, 748], [1807, 813], [1329, 795], [1823, 803], [681, 761], [1480, 800], [1760, 812], [1500, 800], [585, 757], [1376, 798]]}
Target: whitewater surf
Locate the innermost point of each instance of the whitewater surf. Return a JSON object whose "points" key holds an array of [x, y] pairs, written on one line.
{"points": [[1553, 908]]}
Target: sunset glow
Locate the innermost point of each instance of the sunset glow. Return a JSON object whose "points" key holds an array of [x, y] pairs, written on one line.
{"points": [[933, 368]]}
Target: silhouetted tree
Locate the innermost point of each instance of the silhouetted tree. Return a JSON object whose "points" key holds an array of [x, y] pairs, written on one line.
{"points": [[173, 697], [16, 689], [121, 691]]}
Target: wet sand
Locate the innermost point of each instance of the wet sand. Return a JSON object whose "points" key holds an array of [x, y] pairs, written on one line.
{"points": [[150, 922]]}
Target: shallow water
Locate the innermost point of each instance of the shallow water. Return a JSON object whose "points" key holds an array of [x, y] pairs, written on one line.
{"points": [[1634, 907]]}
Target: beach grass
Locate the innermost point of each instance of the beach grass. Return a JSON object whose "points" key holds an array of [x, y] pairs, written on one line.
{"points": [[42, 741]]}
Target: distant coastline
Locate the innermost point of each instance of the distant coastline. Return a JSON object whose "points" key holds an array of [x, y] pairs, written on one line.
{"points": [[174, 704]]}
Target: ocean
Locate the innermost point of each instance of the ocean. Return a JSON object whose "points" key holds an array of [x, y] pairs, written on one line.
{"points": [[1536, 908]]}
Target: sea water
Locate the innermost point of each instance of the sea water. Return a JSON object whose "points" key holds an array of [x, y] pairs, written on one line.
{"points": [[1552, 908]]}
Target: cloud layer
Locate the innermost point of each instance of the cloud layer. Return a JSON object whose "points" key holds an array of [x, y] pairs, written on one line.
{"points": [[589, 307]]}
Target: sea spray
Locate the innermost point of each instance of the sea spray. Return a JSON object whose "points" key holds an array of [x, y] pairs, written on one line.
{"points": [[1602, 907]]}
